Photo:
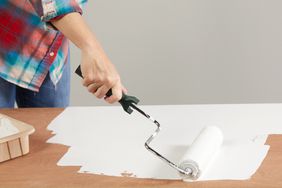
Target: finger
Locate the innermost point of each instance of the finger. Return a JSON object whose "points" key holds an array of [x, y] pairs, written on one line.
{"points": [[87, 80], [92, 88], [101, 92], [116, 96], [124, 90], [87, 74]]}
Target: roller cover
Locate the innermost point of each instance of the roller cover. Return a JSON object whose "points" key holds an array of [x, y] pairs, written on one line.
{"points": [[201, 152]]}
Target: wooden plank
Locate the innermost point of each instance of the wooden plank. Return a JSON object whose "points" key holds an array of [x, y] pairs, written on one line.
{"points": [[39, 169], [4, 151]]}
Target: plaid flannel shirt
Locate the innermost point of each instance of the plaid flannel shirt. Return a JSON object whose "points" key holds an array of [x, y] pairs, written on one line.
{"points": [[30, 47]]}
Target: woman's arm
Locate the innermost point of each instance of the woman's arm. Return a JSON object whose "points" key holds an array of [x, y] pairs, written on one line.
{"points": [[99, 73]]}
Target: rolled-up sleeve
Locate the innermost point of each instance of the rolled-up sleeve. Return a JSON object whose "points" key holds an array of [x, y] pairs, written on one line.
{"points": [[50, 10]]}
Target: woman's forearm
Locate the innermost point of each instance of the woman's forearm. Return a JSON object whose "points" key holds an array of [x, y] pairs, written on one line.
{"points": [[74, 27], [100, 75]]}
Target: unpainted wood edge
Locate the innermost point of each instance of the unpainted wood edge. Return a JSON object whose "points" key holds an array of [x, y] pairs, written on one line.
{"points": [[19, 139], [9, 151]]}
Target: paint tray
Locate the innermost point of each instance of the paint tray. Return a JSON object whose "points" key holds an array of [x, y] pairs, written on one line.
{"points": [[15, 145]]}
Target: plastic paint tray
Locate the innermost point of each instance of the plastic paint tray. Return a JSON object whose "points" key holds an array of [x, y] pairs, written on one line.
{"points": [[15, 145]]}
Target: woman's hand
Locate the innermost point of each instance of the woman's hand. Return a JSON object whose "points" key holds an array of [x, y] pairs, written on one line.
{"points": [[99, 73]]}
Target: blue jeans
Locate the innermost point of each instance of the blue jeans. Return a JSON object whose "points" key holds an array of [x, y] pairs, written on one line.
{"points": [[49, 95]]}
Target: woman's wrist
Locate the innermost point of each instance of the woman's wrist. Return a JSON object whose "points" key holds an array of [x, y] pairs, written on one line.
{"points": [[94, 50]]}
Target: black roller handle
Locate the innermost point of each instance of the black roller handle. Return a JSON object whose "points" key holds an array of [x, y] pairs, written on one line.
{"points": [[126, 101]]}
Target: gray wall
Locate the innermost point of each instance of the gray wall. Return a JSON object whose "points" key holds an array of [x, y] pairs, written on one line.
{"points": [[189, 51]]}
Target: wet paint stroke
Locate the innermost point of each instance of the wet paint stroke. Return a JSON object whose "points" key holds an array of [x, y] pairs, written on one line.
{"points": [[113, 143]]}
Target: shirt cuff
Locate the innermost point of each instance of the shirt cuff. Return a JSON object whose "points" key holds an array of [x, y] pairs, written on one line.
{"points": [[56, 9]]}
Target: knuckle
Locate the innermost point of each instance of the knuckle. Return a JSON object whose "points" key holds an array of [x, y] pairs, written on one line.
{"points": [[90, 89], [89, 79], [108, 80], [98, 79], [117, 79], [101, 95], [97, 94], [113, 80]]}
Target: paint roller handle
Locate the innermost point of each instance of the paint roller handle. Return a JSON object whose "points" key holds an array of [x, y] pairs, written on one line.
{"points": [[126, 101]]}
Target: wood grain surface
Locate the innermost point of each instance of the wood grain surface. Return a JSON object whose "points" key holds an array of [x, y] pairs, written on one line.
{"points": [[39, 169]]}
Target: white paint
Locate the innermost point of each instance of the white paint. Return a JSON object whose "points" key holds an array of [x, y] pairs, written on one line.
{"points": [[7, 128], [109, 141]]}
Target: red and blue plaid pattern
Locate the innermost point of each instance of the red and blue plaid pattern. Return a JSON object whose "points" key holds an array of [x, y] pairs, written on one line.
{"points": [[29, 46]]}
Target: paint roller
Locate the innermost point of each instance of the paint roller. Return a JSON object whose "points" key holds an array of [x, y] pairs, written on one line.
{"points": [[199, 154]]}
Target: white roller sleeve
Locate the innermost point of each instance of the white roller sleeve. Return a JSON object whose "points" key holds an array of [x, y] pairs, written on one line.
{"points": [[201, 152]]}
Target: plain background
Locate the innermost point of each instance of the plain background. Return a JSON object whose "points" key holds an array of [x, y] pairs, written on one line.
{"points": [[189, 51]]}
